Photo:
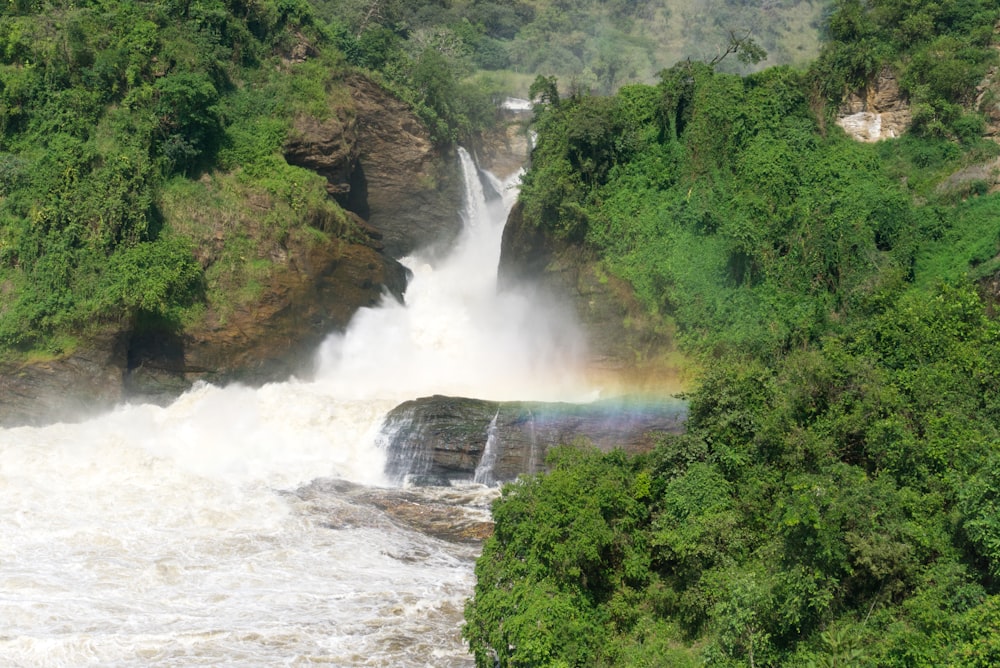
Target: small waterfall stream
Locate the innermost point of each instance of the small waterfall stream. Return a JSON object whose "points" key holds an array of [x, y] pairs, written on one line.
{"points": [[484, 470]]}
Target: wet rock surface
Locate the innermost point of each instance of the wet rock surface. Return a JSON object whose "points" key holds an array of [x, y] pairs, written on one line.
{"points": [[68, 387], [440, 439], [457, 514]]}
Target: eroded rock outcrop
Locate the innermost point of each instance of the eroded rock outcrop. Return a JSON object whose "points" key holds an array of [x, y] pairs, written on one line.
{"points": [[506, 149], [377, 160], [411, 189], [380, 163], [315, 287], [436, 440], [877, 111]]}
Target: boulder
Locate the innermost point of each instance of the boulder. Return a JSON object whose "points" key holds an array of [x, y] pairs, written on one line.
{"points": [[434, 440]]}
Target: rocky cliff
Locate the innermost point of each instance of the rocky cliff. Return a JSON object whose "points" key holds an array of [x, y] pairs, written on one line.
{"points": [[436, 440], [627, 348], [877, 111], [378, 161]]}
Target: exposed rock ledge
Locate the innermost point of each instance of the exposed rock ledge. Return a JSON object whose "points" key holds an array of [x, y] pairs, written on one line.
{"points": [[878, 111], [436, 440], [380, 163]]}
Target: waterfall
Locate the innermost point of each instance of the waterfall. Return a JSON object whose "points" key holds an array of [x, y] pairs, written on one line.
{"points": [[484, 471], [406, 455], [456, 334], [533, 463], [197, 533]]}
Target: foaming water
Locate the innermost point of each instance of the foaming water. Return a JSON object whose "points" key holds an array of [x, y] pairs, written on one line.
{"points": [[456, 334], [195, 534]]}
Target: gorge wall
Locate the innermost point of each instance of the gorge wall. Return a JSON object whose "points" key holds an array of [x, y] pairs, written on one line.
{"points": [[400, 191], [627, 348]]}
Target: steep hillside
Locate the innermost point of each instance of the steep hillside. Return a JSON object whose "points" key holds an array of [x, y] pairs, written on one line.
{"points": [[192, 190], [590, 44]]}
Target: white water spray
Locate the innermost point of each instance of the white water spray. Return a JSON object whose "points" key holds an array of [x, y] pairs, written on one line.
{"points": [[456, 334], [179, 536], [484, 470]]}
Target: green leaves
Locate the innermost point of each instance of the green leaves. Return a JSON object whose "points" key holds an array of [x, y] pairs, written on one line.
{"points": [[100, 102], [150, 277], [185, 105], [563, 544], [939, 50]]}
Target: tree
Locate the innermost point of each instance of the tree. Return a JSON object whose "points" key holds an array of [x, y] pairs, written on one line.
{"points": [[744, 46]]}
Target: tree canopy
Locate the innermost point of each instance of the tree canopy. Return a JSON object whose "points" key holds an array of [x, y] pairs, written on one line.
{"points": [[832, 501]]}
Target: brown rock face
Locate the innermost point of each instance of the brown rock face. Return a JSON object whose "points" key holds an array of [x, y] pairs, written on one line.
{"points": [[877, 111], [402, 185], [626, 346], [327, 147], [68, 388], [316, 289], [507, 149], [380, 163]]}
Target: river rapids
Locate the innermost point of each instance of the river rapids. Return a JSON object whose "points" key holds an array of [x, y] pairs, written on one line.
{"points": [[254, 526]]}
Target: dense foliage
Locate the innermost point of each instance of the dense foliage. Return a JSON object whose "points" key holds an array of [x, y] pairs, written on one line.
{"points": [[834, 499], [125, 126], [940, 50], [101, 105], [110, 113]]}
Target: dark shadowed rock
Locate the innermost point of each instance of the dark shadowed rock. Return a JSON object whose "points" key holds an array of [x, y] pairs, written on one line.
{"points": [[68, 387], [403, 185], [380, 163], [450, 438]]}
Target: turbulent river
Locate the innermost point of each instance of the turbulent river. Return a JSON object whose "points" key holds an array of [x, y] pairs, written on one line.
{"points": [[253, 526]]}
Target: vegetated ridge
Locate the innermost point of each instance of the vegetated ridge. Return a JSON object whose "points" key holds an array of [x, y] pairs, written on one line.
{"points": [[833, 500]]}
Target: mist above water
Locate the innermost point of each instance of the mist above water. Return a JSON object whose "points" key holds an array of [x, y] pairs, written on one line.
{"points": [[456, 334]]}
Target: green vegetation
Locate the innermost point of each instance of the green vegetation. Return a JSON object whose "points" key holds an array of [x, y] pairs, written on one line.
{"points": [[834, 498], [120, 121], [594, 44], [101, 105], [141, 170]]}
